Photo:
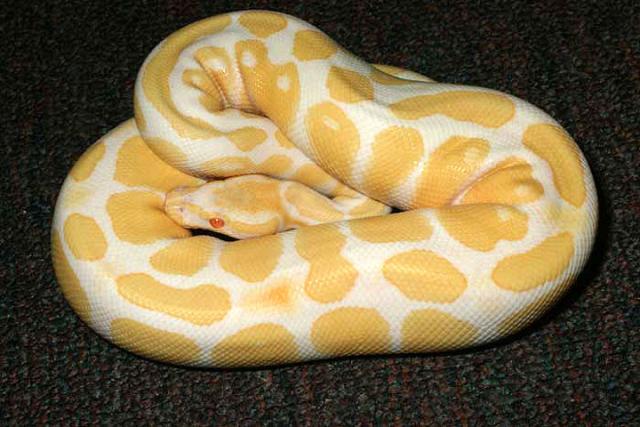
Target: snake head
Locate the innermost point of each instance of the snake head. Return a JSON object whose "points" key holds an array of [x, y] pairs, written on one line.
{"points": [[185, 205], [240, 207]]}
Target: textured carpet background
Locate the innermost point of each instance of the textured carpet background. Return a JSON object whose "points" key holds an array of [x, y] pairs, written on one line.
{"points": [[68, 69]]}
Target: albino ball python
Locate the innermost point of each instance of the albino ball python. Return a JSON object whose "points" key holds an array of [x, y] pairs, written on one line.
{"points": [[498, 206]]}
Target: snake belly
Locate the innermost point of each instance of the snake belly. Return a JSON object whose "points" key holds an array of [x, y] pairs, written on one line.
{"points": [[498, 206]]}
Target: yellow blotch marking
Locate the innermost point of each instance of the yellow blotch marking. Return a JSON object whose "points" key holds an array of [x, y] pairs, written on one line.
{"points": [[486, 109], [396, 152], [211, 104], [448, 169], [138, 217], [75, 196], [137, 165], [247, 138], [85, 165], [425, 276], [141, 123], [330, 276], [252, 260], [543, 263], [256, 229], [217, 81], [390, 75], [84, 238], [510, 182], [154, 343], [199, 79], [245, 114], [211, 98], [201, 305], [262, 24], [434, 330], [185, 256], [262, 344], [369, 207], [312, 176], [567, 218], [334, 138], [348, 86], [481, 227], [406, 226], [277, 297], [69, 283], [521, 318], [216, 62], [341, 191], [310, 44], [389, 69], [283, 140], [351, 331], [383, 77], [274, 89], [229, 166], [166, 150], [311, 205], [277, 165], [253, 195], [155, 79], [529, 313], [558, 149]]}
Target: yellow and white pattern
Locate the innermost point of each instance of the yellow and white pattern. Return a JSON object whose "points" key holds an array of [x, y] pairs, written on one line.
{"points": [[499, 205]]}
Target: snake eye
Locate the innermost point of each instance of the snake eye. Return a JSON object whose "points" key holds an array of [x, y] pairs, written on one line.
{"points": [[216, 222]]}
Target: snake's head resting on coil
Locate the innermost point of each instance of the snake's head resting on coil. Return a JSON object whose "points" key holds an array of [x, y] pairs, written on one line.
{"points": [[240, 207]]}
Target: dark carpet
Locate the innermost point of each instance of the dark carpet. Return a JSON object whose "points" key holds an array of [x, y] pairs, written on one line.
{"points": [[68, 68]]}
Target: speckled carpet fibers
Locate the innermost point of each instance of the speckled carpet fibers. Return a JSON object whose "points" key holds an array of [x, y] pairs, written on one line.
{"points": [[68, 69]]}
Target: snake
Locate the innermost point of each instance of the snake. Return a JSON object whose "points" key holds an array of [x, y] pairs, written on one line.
{"points": [[276, 199]]}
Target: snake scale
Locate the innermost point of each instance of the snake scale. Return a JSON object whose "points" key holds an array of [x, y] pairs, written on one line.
{"points": [[258, 126]]}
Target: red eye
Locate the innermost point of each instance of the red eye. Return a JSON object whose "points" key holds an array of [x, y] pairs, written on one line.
{"points": [[216, 222]]}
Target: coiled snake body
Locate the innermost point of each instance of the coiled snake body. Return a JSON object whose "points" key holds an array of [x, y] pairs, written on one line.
{"points": [[499, 207]]}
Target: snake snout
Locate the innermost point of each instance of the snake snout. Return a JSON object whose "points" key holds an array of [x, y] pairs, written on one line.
{"points": [[174, 204]]}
